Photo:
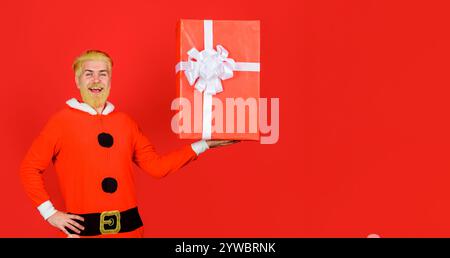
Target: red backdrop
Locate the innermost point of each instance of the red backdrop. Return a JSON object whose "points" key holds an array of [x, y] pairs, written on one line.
{"points": [[363, 88]]}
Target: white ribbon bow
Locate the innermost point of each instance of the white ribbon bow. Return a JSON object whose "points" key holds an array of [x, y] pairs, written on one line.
{"points": [[209, 67]]}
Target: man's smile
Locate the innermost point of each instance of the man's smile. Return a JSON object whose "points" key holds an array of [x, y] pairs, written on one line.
{"points": [[95, 90]]}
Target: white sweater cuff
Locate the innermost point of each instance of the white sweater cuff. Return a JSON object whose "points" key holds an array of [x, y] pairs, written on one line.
{"points": [[46, 209], [199, 147]]}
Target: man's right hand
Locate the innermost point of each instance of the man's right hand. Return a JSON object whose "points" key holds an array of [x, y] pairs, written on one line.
{"points": [[62, 220]]}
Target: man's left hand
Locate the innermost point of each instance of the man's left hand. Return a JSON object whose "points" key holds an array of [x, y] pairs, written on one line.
{"points": [[218, 143]]}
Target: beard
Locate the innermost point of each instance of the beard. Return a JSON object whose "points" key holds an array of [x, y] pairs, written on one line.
{"points": [[95, 100]]}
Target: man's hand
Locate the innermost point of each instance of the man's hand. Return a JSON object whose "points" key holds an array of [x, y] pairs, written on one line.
{"points": [[218, 143], [62, 220]]}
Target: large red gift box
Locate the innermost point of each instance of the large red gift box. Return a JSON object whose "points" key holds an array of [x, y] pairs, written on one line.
{"points": [[218, 78]]}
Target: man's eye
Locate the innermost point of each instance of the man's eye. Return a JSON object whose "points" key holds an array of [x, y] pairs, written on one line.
{"points": [[103, 74], [88, 74]]}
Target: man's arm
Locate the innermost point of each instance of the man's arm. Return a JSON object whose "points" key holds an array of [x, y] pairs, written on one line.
{"points": [[159, 166], [37, 159], [146, 157], [43, 149]]}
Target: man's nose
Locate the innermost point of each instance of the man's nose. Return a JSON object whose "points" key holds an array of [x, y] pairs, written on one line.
{"points": [[96, 78]]}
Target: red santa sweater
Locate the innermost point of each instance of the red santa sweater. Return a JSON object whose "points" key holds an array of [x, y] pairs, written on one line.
{"points": [[93, 157]]}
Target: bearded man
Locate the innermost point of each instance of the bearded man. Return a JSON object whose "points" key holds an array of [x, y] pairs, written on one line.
{"points": [[93, 147]]}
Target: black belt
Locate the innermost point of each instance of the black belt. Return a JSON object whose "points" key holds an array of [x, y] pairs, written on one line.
{"points": [[109, 222]]}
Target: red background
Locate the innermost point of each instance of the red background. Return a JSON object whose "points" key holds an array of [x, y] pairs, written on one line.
{"points": [[363, 88]]}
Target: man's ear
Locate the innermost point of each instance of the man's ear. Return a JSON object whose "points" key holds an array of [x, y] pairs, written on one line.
{"points": [[77, 81]]}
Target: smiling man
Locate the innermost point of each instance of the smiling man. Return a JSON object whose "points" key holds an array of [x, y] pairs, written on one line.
{"points": [[93, 147]]}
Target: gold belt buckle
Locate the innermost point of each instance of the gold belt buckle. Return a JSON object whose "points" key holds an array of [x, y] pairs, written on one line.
{"points": [[110, 222]]}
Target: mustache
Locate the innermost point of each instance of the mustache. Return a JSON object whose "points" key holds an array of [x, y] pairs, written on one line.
{"points": [[96, 85]]}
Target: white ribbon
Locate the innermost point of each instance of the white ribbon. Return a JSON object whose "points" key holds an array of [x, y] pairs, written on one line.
{"points": [[207, 69]]}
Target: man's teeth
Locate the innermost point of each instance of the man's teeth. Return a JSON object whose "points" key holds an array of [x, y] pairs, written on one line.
{"points": [[96, 90]]}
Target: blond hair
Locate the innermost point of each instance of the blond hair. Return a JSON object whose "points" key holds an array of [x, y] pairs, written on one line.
{"points": [[91, 55]]}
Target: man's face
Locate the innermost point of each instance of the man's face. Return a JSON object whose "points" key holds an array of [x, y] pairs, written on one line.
{"points": [[94, 82]]}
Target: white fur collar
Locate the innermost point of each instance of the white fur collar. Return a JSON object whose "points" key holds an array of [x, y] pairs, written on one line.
{"points": [[73, 103]]}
